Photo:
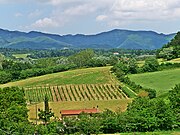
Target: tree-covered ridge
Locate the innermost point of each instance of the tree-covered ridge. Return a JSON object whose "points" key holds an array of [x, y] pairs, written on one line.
{"points": [[117, 38], [170, 50]]}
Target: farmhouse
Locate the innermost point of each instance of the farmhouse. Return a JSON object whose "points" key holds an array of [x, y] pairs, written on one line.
{"points": [[65, 113]]}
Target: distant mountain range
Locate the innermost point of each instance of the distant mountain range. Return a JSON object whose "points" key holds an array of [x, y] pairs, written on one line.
{"points": [[112, 39]]}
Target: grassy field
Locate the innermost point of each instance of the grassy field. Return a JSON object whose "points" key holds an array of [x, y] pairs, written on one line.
{"points": [[140, 63], [98, 75], [177, 60], [115, 105], [161, 81], [20, 55]]}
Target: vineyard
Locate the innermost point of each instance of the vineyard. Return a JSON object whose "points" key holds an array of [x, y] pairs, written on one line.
{"points": [[83, 92]]}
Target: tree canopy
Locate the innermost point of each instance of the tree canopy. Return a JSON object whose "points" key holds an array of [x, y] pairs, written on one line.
{"points": [[170, 50]]}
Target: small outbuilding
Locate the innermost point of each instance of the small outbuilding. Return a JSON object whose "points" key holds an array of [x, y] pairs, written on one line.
{"points": [[65, 113]]}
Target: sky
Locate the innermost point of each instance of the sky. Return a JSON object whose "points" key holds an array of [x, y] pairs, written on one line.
{"points": [[90, 16]]}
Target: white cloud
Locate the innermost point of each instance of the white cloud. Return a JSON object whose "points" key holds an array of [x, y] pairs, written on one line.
{"points": [[80, 10], [67, 11], [45, 23], [131, 11], [110, 12]]}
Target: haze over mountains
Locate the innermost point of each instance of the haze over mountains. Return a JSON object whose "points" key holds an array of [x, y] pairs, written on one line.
{"points": [[116, 38]]}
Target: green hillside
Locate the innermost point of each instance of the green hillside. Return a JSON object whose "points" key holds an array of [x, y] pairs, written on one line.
{"points": [[171, 50], [162, 81], [100, 75]]}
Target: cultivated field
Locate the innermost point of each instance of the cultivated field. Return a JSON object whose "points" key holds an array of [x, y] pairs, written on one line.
{"points": [[84, 92], [75, 89], [162, 81]]}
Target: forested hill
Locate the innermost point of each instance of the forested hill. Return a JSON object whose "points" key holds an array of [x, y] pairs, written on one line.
{"points": [[112, 39], [171, 50]]}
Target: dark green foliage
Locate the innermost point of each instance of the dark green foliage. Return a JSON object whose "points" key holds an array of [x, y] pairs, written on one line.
{"points": [[52, 53], [174, 97], [109, 121], [171, 50], [5, 77], [53, 128], [167, 65], [149, 115], [151, 65], [88, 124], [13, 114], [81, 59], [11, 65], [47, 113], [151, 93]]}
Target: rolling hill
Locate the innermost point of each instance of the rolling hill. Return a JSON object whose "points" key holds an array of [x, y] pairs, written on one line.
{"points": [[74, 89], [99, 75], [112, 39]]}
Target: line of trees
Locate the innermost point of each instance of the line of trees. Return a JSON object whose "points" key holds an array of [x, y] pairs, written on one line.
{"points": [[11, 70], [129, 66]]}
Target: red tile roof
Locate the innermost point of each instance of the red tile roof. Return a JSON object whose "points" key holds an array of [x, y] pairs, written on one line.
{"points": [[77, 112]]}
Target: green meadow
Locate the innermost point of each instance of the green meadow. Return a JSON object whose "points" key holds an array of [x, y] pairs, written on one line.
{"points": [[161, 81], [100, 75]]}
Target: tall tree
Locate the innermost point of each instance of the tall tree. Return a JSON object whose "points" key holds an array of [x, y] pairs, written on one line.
{"points": [[1, 60], [81, 59], [174, 97], [47, 113]]}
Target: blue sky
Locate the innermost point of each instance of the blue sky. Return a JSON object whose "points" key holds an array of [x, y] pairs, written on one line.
{"points": [[90, 16]]}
